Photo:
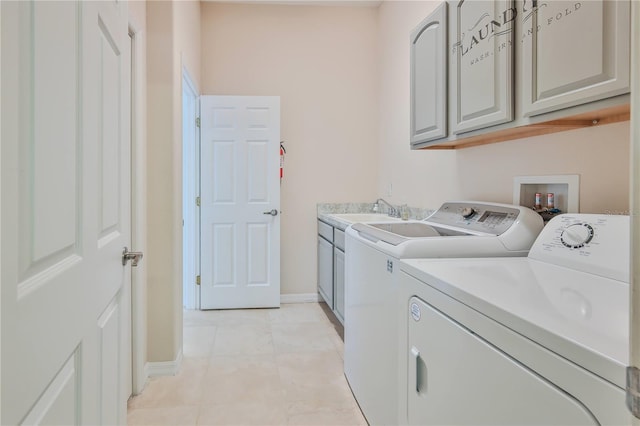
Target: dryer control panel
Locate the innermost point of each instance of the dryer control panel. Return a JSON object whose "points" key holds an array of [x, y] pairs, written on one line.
{"points": [[593, 243]]}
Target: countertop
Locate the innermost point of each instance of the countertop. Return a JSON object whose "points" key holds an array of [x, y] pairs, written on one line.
{"points": [[325, 212]]}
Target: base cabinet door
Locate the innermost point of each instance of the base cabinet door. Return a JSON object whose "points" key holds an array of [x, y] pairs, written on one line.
{"points": [[429, 78], [338, 279], [481, 63], [325, 270], [573, 52]]}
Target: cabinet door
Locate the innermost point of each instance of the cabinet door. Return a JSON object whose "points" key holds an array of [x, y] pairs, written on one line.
{"points": [[481, 63], [429, 78], [573, 52], [338, 280], [325, 270]]}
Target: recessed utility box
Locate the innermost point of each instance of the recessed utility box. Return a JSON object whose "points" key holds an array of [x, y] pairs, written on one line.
{"points": [[565, 188]]}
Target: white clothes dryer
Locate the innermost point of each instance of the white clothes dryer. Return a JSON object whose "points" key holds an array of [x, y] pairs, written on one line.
{"points": [[536, 340], [373, 312]]}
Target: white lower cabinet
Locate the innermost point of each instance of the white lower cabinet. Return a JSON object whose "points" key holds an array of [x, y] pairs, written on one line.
{"points": [[325, 270], [331, 267], [338, 281]]}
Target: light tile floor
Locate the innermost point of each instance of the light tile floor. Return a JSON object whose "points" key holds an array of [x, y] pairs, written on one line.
{"points": [[253, 367]]}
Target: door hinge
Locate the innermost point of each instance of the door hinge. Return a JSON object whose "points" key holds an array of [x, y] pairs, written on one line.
{"points": [[197, 279], [198, 122], [198, 201]]}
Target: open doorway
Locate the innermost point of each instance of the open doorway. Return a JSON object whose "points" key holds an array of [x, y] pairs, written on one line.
{"points": [[190, 192]]}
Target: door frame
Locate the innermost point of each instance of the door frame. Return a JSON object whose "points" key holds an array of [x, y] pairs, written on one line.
{"points": [[138, 206], [190, 190]]}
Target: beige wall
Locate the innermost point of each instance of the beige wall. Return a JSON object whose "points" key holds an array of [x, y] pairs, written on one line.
{"points": [[599, 155], [173, 30], [321, 61], [186, 20], [418, 178]]}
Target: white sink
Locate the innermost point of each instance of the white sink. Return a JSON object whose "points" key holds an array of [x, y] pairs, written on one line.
{"points": [[408, 229], [364, 217]]}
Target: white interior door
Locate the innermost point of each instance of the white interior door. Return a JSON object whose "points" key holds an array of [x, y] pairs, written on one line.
{"points": [[65, 217], [240, 185]]}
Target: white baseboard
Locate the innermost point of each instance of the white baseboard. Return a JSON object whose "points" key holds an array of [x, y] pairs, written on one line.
{"points": [[165, 368], [300, 298]]}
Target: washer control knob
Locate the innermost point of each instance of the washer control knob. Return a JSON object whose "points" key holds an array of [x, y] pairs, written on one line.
{"points": [[577, 235], [467, 212]]}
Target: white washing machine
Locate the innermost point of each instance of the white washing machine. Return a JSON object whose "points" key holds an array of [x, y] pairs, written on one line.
{"points": [[373, 308], [536, 340]]}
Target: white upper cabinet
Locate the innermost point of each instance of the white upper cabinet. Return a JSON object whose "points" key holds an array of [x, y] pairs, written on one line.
{"points": [[429, 78], [481, 43], [573, 52]]}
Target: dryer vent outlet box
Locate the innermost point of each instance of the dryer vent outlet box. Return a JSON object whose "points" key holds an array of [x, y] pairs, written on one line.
{"points": [[565, 188]]}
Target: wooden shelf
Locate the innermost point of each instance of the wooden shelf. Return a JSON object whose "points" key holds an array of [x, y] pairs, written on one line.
{"points": [[579, 121]]}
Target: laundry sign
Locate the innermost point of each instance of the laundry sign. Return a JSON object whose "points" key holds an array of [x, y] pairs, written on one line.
{"points": [[536, 16], [485, 29]]}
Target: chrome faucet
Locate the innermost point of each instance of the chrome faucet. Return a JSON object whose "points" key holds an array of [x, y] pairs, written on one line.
{"points": [[393, 211]]}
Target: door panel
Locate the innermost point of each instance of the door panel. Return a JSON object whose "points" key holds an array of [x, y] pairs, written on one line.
{"points": [[257, 185], [109, 341], [54, 203], [563, 65], [223, 254], [481, 66], [258, 246], [65, 210], [325, 270], [59, 402], [240, 258], [52, 240], [429, 78], [109, 128], [222, 173], [338, 279]]}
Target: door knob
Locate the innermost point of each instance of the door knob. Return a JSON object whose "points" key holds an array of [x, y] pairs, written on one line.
{"points": [[134, 256], [272, 212]]}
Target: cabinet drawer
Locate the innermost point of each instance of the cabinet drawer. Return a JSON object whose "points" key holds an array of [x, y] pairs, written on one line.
{"points": [[338, 239], [325, 230]]}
